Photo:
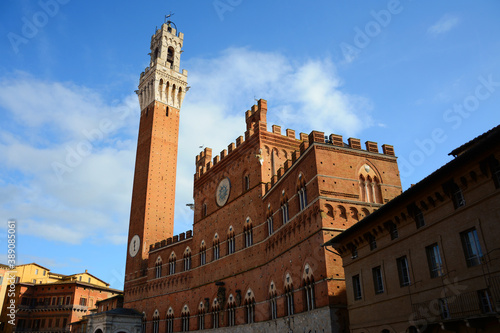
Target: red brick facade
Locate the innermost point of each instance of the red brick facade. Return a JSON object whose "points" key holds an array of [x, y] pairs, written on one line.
{"points": [[52, 307]]}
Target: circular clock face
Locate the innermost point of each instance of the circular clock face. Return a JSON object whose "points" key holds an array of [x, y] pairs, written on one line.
{"points": [[222, 192], [135, 244]]}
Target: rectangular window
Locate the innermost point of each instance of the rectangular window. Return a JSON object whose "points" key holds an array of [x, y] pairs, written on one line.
{"points": [[377, 280], [458, 197], [372, 241], [419, 219], [393, 229], [485, 301], [44, 272], [356, 287], [36, 271], [68, 300], [403, 271], [471, 246], [83, 301], [496, 177], [354, 253], [434, 260]]}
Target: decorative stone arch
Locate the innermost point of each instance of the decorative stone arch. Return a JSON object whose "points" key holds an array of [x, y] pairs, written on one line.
{"points": [[216, 238], [203, 245], [342, 212], [284, 197], [365, 212], [167, 92], [185, 310], [170, 312], [160, 89], [369, 183], [301, 181], [170, 57], [249, 296], [284, 153], [248, 223], [158, 266], [172, 256], [215, 304], [354, 213], [179, 97], [307, 274], [245, 180], [273, 290], [231, 300], [204, 207], [330, 211], [269, 211], [202, 307], [230, 231], [288, 282]]}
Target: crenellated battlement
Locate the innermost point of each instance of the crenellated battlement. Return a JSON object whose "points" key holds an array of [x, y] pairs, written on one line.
{"points": [[320, 137], [171, 240], [256, 120]]}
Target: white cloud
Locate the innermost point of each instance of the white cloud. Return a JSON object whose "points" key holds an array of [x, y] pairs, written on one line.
{"points": [[444, 24], [69, 180], [67, 177], [301, 96]]}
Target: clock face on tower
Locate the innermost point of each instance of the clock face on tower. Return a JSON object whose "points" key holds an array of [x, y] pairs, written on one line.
{"points": [[135, 244], [222, 192]]}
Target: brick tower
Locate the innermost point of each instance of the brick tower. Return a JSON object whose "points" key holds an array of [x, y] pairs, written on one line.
{"points": [[161, 91]]}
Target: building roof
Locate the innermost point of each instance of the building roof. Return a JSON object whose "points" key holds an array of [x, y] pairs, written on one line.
{"points": [[95, 277], [477, 140], [109, 298], [464, 154], [35, 265], [65, 282]]}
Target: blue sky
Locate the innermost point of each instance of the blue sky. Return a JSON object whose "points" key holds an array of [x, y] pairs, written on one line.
{"points": [[423, 76]]}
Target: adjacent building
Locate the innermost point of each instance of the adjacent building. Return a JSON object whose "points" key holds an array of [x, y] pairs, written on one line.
{"points": [[109, 316], [47, 301], [429, 260], [262, 208]]}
